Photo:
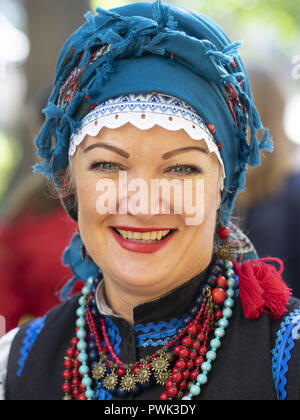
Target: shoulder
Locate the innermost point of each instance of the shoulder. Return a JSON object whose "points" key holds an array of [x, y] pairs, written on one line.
{"points": [[55, 320], [5, 346], [286, 353], [36, 345], [58, 315]]}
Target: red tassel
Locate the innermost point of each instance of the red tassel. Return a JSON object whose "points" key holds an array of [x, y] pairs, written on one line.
{"points": [[250, 290], [262, 289]]}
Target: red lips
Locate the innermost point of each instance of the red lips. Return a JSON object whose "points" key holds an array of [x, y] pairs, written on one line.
{"points": [[142, 230], [141, 247]]}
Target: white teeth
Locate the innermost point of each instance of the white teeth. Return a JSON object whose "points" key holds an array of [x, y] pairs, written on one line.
{"points": [[153, 236], [159, 235], [137, 235], [145, 236]]}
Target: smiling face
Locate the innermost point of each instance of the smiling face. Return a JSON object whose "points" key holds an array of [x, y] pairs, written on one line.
{"points": [[146, 269]]}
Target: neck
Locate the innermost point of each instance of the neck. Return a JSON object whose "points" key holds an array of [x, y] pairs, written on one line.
{"points": [[123, 301], [122, 304]]}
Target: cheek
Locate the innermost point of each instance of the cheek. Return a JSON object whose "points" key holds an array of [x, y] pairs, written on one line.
{"points": [[212, 189], [86, 189], [207, 228], [211, 201], [203, 198]]}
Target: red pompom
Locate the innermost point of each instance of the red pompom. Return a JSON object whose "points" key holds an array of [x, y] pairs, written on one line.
{"points": [[262, 289]]}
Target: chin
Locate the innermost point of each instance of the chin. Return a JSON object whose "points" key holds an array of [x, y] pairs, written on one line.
{"points": [[139, 274]]}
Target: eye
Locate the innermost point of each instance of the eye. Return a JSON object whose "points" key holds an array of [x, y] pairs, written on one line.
{"points": [[181, 170], [105, 166]]}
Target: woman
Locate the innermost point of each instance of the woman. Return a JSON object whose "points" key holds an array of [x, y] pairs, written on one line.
{"points": [[148, 93]]}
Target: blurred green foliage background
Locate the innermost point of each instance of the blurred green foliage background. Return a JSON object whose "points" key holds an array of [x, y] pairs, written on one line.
{"points": [[280, 16], [8, 160]]}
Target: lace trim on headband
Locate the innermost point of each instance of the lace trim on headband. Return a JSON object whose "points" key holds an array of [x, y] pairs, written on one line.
{"points": [[144, 112]]}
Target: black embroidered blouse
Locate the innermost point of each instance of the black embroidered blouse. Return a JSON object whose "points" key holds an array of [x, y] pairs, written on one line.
{"points": [[253, 363]]}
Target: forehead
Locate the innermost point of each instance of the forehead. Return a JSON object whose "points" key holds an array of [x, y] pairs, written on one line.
{"points": [[132, 138]]}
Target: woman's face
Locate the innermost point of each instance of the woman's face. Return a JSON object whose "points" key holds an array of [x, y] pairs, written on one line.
{"points": [[154, 154]]}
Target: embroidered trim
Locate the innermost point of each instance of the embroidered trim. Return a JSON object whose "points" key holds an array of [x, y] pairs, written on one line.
{"points": [[151, 343], [114, 334], [286, 336], [157, 327], [31, 335], [163, 332], [144, 112], [240, 244], [69, 88]]}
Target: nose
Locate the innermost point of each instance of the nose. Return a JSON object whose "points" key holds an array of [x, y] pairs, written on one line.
{"points": [[149, 197]]}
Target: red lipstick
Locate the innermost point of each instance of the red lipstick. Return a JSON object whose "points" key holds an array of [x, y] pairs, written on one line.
{"points": [[142, 230], [141, 247]]}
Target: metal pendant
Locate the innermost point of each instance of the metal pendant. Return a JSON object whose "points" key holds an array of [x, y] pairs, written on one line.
{"points": [[128, 382], [160, 363], [110, 381], [224, 252], [143, 375], [162, 377], [99, 371]]}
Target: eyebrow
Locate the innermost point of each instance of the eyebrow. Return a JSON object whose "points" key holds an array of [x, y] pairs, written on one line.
{"points": [[126, 155], [108, 147], [182, 150]]}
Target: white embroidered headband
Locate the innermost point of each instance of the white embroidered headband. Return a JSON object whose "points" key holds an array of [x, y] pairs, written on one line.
{"points": [[144, 112]]}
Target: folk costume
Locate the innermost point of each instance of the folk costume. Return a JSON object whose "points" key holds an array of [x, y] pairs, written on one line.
{"points": [[231, 332]]}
